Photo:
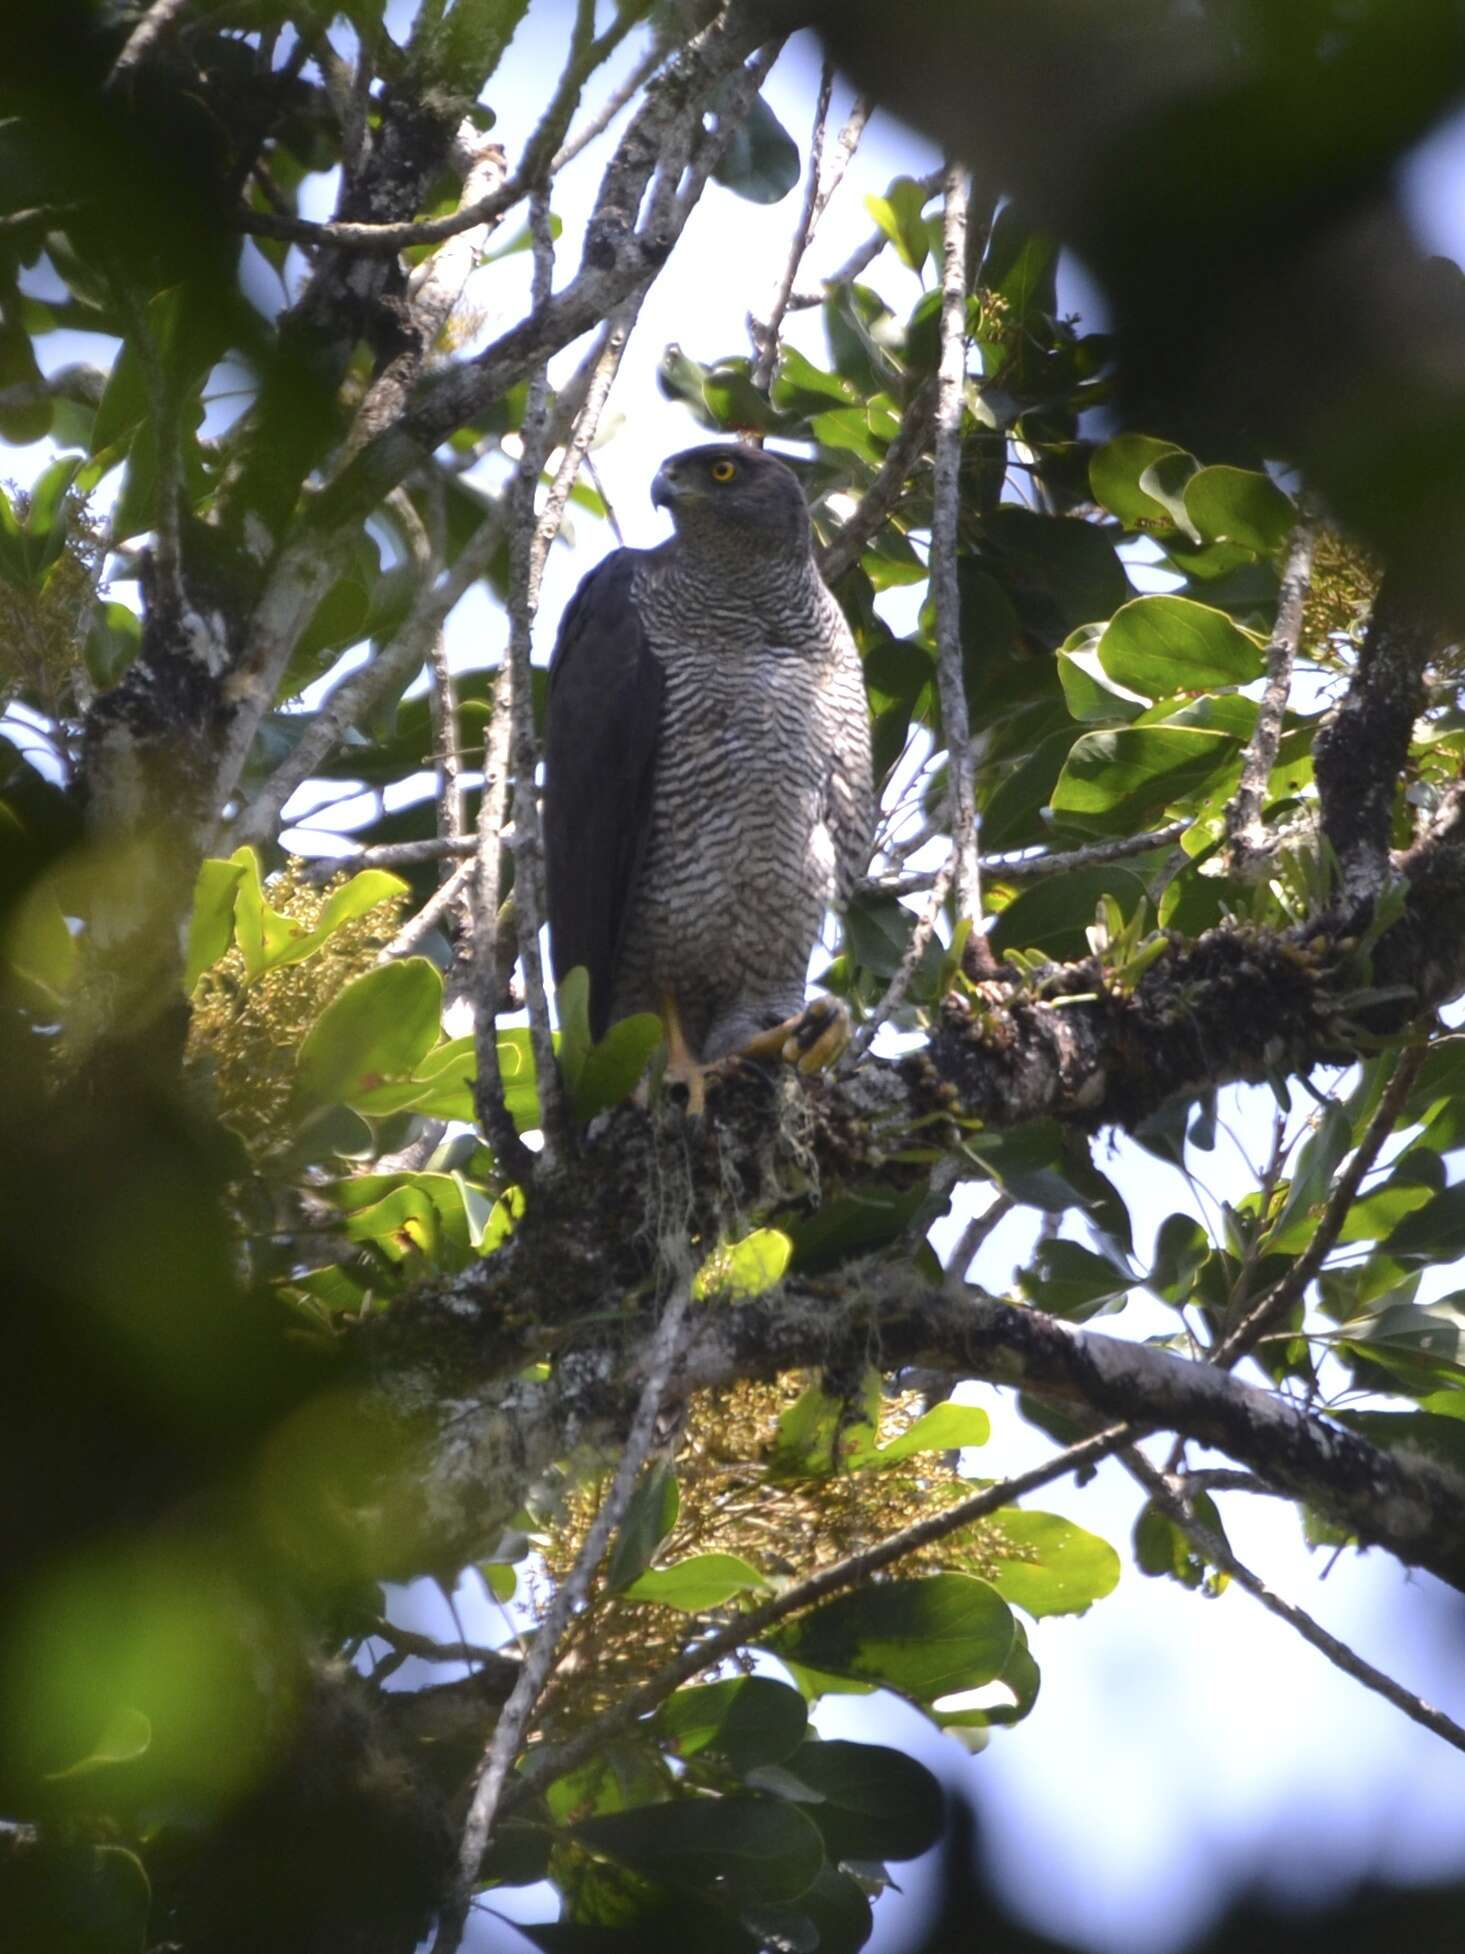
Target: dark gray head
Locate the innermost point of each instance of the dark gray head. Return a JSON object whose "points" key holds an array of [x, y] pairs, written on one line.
{"points": [[733, 495]]}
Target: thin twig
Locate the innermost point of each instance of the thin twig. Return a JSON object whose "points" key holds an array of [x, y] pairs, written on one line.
{"points": [[900, 983], [456, 889], [1037, 868], [396, 854], [349, 703], [1246, 837], [1170, 1495], [1275, 1302], [975, 1234], [961, 812], [745, 1629], [644, 69], [513, 1721], [452, 798], [862, 257], [845, 550], [408, 1642], [537, 163], [765, 337], [525, 564], [154, 23], [512, 1159]]}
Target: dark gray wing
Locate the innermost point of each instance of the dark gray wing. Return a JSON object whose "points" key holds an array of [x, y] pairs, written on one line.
{"points": [[605, 687]]}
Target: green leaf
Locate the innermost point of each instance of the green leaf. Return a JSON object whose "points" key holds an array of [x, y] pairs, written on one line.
{"points": [[403, 1223], [745, 1268], [698, 1583], [1181, 1246], [1051, 915], [1318, 1162], [611, 1070], [1239, 505], [1063, 1569], [1115, 470], [650, 1517], [354, 898], [898, 213], [749, 1720], [1059, 572], [572, 1006], [925, 1638], [1159, 646], [755, 1848], [1162, 1548], [211, 926], [869, 1801], [1068, 1280], [852, 1224], [942, 1429], [1119, 781], [851, 429], [1434, 1233], [821, 1432], [1163, 480], [1087, 691], [800, 387], [125, 1736], [945, 1428], [761, 163], [46, 518], [379, 1027], [113, 641]]}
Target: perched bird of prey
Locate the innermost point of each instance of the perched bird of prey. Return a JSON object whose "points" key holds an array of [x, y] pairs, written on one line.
{"points": [[707, 771]]}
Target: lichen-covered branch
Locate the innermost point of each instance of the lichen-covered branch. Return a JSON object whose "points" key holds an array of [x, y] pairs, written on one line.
{"points": [[1245, 834], [501, 1430], [1359, 756], [961, 811]]}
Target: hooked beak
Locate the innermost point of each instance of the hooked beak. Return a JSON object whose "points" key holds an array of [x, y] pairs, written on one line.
{"points": [[663, 490]]}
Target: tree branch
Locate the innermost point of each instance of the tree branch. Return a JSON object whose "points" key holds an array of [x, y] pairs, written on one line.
{"points": [[1272, 1307], [844, 550], [1246, 838], [765, 337], [1360, 755], [961, 811], [539, 160], [742, 1632], [153, 25], [570, 1596], [1171, 1495]]}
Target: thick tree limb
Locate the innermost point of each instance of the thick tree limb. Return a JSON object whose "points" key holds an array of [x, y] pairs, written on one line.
{"points": [[1360, 756], [471, 1478]]}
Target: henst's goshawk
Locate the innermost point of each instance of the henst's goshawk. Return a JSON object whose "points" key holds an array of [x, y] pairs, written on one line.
{"points": [[707, 771]]}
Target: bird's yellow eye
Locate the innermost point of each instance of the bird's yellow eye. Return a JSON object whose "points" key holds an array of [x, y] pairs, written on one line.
{"points": [[723, 471]]}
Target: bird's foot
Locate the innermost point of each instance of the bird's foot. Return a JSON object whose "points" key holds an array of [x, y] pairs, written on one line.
{"points": [[812, 1041], [686, 1075]]}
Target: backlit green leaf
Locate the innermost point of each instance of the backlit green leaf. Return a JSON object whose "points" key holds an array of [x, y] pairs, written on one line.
{"points": [[379, 1027], [926, 1637]]}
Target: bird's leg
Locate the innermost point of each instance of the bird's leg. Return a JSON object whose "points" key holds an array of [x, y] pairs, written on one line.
{"points": [[812, 1041], [682, 1069]]}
